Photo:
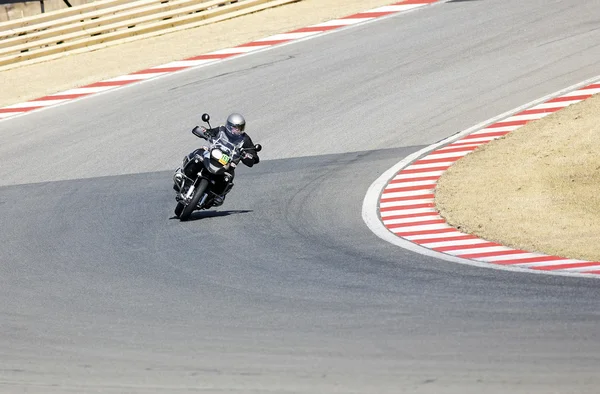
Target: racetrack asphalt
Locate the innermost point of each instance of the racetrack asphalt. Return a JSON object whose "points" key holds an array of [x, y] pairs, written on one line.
{"points": [[284, 288]]}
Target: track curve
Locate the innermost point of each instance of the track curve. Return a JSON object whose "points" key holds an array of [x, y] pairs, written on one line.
{"points": [[103, 292]]}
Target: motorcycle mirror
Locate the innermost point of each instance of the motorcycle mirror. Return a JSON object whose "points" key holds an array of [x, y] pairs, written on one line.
{"points": [[205, 118], [258, 147]]}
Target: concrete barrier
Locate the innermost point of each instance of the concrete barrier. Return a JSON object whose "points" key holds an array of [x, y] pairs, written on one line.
{"points": [[111, 22]]}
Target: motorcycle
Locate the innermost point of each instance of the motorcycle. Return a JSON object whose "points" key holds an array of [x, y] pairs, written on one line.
{"points": [[204, 168]]}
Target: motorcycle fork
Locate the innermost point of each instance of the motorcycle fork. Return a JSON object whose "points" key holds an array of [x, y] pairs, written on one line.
{"points": [[190, 191]]}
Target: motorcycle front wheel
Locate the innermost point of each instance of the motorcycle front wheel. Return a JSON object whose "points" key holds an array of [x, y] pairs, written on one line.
{"points": [[187, 211]]}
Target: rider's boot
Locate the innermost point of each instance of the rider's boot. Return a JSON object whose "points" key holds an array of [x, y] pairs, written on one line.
{"points": [[218, 200]]}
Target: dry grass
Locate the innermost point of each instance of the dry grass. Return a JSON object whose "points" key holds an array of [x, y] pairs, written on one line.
{"points": [[537, 189]]}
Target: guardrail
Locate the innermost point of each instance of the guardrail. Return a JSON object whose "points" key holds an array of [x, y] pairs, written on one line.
{"points": [[111, 22]]}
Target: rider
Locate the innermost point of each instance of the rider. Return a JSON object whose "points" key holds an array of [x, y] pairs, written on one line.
{"points": [[234, 128]]}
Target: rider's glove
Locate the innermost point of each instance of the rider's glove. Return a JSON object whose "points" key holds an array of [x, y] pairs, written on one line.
{"points": [[200, 131], [247, 156]]}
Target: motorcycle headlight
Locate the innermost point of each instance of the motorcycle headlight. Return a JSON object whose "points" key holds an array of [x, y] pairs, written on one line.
{"points": [[217, 154]]}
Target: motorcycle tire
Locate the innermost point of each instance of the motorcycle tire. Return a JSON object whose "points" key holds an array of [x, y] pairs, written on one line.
{"points": [[187, 211], [179, 209]]}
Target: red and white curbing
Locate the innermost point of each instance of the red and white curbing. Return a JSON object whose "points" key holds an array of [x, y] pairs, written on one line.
{"points": [[113, 83], [407, 207]]}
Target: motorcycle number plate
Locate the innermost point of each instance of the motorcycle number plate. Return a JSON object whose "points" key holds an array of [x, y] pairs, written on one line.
{"points": [[224, 160]]}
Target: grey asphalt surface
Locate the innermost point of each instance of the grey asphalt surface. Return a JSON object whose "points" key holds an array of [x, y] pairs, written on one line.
{"points": [[284, 289]]}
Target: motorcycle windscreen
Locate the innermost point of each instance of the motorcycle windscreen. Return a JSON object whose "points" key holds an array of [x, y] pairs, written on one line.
{"points": [[229, 144]]}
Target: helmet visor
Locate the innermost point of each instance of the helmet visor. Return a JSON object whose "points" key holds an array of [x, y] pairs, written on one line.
{"points": [[234, 129]]}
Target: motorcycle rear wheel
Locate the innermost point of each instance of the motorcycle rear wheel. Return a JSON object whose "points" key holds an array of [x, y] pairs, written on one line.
{"points": [[187, 211]]}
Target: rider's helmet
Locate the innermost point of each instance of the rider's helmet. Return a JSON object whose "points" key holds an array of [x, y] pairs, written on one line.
{"points": [[235, 124]]}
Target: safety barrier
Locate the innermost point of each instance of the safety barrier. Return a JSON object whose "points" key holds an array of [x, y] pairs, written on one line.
{"points": [[111, 22], [41, 3]]}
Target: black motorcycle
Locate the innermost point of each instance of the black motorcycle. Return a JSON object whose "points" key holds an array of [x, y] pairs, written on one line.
{"points": [[204, 168]]}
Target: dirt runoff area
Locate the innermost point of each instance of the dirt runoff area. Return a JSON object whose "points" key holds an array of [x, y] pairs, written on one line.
{"points": [[536, 189], [37, 80]]}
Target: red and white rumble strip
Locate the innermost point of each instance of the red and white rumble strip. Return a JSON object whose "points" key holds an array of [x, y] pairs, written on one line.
{"points": [[212, 57], [407, 208]]}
